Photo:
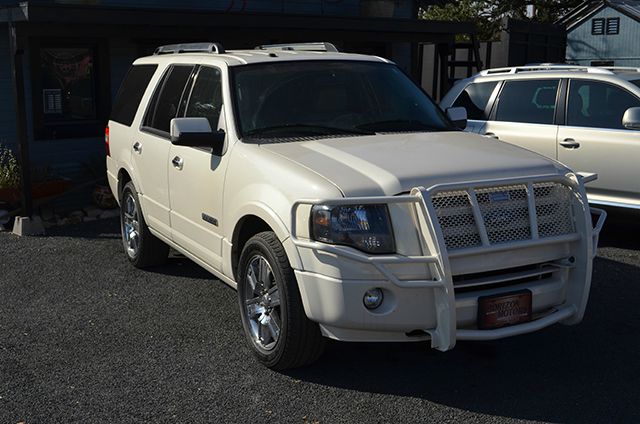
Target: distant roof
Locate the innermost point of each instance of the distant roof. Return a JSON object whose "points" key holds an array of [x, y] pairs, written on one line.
{"points": [[631, 8]]}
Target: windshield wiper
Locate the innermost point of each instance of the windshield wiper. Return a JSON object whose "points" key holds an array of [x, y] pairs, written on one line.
{"points": [[392, 125], [319, 129]]}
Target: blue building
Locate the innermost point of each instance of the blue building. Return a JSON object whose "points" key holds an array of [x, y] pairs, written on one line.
{"points": [[69, 56], [604, 33]]}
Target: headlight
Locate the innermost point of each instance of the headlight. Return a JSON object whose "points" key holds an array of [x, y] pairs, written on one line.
{"points": [[365, 227]]}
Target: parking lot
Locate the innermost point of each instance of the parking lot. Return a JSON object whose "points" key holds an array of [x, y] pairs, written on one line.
{"points": [[85, 337]]}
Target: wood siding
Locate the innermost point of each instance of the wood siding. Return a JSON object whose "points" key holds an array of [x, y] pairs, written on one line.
{"points": [[623, 48]]}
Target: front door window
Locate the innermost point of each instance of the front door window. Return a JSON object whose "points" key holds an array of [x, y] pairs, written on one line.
{"points": [[529, 101], [597, 104]]}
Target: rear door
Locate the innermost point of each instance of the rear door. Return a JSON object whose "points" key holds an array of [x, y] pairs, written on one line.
{"points": [[594, 140], [196, 180], [122, 131], [151, 148], [476, 99], [524, 114]]}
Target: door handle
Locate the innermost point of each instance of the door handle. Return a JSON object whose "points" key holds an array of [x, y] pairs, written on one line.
{"points": [[177, 162], [569, 143], [137, 147], [491, 135]]}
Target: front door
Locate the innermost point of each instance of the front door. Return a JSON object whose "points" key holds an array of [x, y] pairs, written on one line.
{"points": [[152, 145], [196, 177], [594, 140], [476, 98], [525, 115]]}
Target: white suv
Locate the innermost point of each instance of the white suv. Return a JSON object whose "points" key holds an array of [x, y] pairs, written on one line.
{"points": [[587, 118], [341, 202]]}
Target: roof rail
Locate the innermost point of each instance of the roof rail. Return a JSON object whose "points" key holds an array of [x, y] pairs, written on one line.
{"points": [[190, 48], [307, 47], [544, 67], [621, 69]]}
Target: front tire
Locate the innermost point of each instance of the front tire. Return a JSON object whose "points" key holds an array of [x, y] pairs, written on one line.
{"points": [[274, 321], [142, 248]]}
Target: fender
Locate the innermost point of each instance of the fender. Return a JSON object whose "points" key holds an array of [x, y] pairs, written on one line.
{"points": [[268, 215]]}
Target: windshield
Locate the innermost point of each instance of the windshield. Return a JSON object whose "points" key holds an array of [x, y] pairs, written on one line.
{"points": [[316, 98], [636, 82]]}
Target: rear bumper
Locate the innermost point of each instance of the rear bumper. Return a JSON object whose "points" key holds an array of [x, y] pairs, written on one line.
{"points": [[429, 304]]}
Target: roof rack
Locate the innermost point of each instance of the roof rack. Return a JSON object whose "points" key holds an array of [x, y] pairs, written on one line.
{"points": [[621, 69], [306, 47], [190, 48], [545, 67]]}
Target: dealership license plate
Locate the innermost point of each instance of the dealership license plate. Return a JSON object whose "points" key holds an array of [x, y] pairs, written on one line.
{"points": [[504, 309]]}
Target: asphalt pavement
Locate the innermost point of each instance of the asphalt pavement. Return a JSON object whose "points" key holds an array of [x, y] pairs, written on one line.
{"points": [[85, 337]]}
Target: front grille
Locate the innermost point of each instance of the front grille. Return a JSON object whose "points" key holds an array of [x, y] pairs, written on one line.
{"points": [[456, 219], [505, 213], [508, 219], [553, 209]]}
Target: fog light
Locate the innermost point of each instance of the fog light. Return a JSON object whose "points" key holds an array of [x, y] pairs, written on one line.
{"points": [[373, 298]]}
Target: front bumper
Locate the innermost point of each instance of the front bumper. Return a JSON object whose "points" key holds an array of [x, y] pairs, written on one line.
{"points": [[424, 299]]}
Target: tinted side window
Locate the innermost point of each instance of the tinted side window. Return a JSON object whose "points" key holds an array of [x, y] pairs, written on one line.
{"points": [[166, 100], [597, 105], [206, 96], [474, 98], [528, 101], [131, 92]]}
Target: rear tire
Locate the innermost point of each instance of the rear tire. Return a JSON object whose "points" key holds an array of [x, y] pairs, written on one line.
{"points": [[277, 328], [142, 248]]}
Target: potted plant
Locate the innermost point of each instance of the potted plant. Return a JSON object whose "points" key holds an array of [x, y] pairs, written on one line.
{"points": [[9, 176], [44, 183], [378, 8]]}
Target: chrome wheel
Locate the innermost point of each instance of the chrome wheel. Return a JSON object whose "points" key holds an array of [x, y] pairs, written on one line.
{"points": [[131, 226], [262, 303]]}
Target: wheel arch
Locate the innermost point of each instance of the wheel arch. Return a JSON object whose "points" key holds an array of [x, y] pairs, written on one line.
{"points": [[253, 219], [123, 178]]}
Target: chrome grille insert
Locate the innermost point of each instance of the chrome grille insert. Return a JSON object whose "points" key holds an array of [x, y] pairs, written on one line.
{"points": [[504, 211]]}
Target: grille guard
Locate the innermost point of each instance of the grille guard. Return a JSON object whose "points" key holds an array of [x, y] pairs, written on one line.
{"points": [[444, 336]]}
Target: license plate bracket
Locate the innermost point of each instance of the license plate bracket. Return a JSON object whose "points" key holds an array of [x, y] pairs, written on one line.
{"points": [[504, 309]]}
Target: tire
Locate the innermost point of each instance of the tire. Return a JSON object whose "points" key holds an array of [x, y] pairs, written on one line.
{"points": [[298, 341], [142, 248]]}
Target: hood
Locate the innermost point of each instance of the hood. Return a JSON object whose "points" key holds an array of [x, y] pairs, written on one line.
{"points": [[389, 164]]}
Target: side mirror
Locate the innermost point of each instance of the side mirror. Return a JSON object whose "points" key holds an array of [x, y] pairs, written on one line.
{"points": [[196, 132], [631, 118], [458, 116]]}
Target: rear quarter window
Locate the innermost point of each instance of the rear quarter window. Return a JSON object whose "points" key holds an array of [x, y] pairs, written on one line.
{"points": [[130, 93]]}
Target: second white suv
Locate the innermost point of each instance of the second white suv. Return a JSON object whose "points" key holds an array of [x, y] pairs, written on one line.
{"points": [[341, 202], [585, 117]]}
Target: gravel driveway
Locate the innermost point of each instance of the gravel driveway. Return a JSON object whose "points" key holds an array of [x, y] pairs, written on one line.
{"points": [[84, 337]]}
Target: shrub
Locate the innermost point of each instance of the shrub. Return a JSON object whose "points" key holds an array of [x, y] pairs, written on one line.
{"points": [[9, 169]]}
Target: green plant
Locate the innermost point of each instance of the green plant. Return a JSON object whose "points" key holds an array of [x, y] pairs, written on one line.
{"points": [[9, 169]]}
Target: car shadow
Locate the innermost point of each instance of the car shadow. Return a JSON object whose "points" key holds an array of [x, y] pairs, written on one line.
{"points": [[621, 229], [561, 374], [180, 266]]}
